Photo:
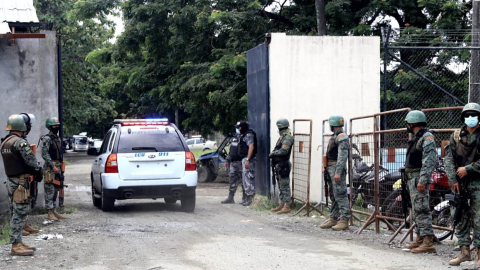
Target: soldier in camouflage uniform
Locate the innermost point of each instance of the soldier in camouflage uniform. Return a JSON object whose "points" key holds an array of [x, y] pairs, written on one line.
{"points": [[420, 162], [462, 164], [51, 147], [281, 160], [20, 163], [337, 156], [248, 152], [234, 163]]}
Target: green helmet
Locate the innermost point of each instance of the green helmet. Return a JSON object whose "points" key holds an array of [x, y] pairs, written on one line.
{"points": [[52, 121], [414, 117], [470, 107], [336, 121], [282, 123], [16, 122]]}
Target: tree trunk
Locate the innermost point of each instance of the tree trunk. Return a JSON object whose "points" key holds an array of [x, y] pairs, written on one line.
{"points": [[321, 22]]}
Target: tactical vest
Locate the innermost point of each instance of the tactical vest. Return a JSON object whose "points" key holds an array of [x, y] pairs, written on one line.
{"points": [[54, 149], [243, 147], [465, 153], [278, 146], [332, 150], [234, 149], [414, 156], [12, 159]]}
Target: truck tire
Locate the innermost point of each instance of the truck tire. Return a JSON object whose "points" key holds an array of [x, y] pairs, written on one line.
{"points": [[205, 174]]}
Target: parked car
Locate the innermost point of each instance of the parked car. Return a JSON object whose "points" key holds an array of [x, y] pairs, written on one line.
{"points": [[144, 158], [80, 143], [211, 165], [201, 144], [94, 146]]}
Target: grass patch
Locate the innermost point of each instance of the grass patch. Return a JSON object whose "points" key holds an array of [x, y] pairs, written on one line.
{"points": [[198, 153], [262, 203], [69, 210], [5, 233]]}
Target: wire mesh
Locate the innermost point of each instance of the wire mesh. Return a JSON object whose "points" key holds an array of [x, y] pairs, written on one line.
{"points": [[426, 68], [301, 164]]}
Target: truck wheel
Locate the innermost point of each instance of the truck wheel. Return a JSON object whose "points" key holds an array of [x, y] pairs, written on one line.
{"points": [[188, 203], [97, 202], [204, 174]]}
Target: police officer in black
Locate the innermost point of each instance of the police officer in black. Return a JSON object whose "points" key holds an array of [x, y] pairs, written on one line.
{"points": [[234, 164], [248, 151]]}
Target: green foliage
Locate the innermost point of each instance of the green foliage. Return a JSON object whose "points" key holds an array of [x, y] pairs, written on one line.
{"points": [[186, 59], [5, 233], [86, 107]]}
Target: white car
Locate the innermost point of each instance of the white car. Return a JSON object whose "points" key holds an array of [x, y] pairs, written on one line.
{"points": [[144, 158], [201, 144]]}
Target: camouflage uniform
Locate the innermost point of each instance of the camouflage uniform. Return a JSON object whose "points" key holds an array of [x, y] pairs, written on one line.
{"points": [[421, 201], [248, 175], [51, 190], [470, 218], [340, 202], [284, 145], [20, 210]]}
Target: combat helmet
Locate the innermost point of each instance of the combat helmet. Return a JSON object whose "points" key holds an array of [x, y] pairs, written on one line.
{"points": [[471, 108], [336, 121], [416, 117], [282, 123], [52, 121], [16, 122]]}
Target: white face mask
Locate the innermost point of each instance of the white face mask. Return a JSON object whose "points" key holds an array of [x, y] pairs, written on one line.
{"points": [[471, 121]]}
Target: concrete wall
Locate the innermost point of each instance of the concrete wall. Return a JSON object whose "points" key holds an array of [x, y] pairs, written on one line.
{"points": [[28, 83], [315, 77]]}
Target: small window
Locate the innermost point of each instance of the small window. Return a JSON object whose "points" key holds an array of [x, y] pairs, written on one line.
{"points": [[103, 149], [112, 140], [190, 142]]}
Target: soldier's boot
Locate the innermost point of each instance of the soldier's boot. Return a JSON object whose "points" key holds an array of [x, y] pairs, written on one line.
{"points": [[341, 225], [28, 247], [25, 233], [418, 242], [278, 208], [30, 229], [58, 215], [19, 250], [427, 246], [244, 197], [51, 215], [248, 201], [229, 199], [464, 256], [330, 223], [477, 255], [286, 209]]}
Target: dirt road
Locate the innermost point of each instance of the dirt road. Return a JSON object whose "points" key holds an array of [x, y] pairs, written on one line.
{"points": [[147, 234]]}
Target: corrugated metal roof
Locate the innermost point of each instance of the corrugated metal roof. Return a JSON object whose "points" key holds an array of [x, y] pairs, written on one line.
{"points": [[18, 11], [4, 29]]}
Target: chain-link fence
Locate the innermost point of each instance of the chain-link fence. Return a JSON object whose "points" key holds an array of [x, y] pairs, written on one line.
{"points": [[424, 68]]}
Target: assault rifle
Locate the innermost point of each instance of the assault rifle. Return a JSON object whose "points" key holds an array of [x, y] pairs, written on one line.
{"points": [[326, 180], [405, 196], [274, 177], [33, 182], [59, 181], [460, 202]]}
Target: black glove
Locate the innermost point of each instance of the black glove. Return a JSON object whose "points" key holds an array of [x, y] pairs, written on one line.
{"points": [[38, 174]]}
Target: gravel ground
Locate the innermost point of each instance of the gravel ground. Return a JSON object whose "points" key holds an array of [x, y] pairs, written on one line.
{"points": [[148, 234]]}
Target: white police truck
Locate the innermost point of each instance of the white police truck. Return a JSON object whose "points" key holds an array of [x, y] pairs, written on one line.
{"points": [[144, 158]]}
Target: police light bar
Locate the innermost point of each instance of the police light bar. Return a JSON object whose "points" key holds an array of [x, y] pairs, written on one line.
{"points": [[142, 122]]}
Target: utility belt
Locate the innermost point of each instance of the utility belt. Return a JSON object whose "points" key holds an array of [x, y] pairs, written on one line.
{"points": [[331, 163], [22, 192], [49, 175], [412, 172]]}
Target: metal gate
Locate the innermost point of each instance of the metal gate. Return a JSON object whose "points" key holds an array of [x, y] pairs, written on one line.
{"points": [[259, 113], [302, 159]]}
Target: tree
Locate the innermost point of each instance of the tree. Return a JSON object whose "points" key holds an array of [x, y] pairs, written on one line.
{"points": [[85, 105]]}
